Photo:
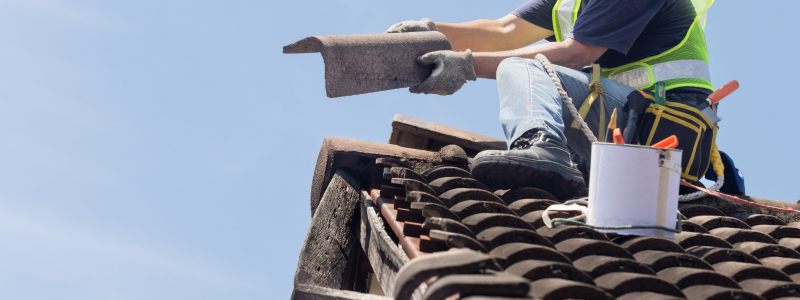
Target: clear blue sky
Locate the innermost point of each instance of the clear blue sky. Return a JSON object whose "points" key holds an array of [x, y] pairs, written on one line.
{"points": [[165, 149]]}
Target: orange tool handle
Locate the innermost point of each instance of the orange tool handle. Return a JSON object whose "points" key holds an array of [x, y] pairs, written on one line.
{"points": [[668, 143], [618, 137], [724, 91]]}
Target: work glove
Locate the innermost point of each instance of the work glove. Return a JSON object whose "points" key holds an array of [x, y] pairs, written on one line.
{"points": [[411, 26], [452, 70]]}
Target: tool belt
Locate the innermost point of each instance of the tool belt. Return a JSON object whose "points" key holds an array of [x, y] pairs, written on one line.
{"points": [[695, 132]]}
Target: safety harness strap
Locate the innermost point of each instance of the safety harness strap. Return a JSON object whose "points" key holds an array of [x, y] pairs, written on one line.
{"points": [[596, 89]]}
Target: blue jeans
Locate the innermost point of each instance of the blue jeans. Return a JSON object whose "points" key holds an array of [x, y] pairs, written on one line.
{"points": [[529, 100]]}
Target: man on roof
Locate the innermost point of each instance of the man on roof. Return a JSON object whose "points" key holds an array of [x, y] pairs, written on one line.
{"points": [[636, 43]]}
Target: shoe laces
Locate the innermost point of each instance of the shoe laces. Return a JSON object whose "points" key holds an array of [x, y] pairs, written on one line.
{"points": [[526, 141]]}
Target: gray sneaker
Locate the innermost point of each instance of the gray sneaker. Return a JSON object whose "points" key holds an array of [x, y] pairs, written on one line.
{"points": [[537, 159]]}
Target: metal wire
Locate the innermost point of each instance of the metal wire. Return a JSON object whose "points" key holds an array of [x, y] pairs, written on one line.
{"points": [[578, 221]]}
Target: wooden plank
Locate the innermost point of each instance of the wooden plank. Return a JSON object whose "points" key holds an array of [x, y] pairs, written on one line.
{"points": [[332, 234], [383, 255], [420, 134], [337, 153], [311, 292]]}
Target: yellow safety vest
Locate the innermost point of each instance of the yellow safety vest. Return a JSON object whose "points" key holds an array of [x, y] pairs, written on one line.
{"points": [[685, 65]]}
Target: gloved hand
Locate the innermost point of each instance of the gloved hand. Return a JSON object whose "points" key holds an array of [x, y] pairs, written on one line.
{"points": [[452, 70], [411, 26]]}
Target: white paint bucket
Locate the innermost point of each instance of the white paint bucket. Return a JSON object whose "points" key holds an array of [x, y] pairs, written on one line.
{"points": [[632, 185]]}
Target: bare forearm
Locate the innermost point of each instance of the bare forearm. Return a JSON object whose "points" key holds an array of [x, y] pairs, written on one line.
{"points": [[507, 33], [570, 54], [479, 36]]}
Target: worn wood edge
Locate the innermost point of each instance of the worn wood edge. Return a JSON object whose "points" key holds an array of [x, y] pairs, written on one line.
{"points": [[447, 134], [313, 292], [383, 255], [332, 234], [387, 246], [398, 256], [338, 153]]}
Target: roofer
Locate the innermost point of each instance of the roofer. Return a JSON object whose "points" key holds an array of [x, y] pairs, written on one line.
{"points": [[637, 43]]}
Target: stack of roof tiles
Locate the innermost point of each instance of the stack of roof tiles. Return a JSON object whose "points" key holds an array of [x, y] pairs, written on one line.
{"points": [[465, 240]]}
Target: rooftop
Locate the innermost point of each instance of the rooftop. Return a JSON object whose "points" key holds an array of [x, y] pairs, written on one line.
{"points": [[406, 219]]}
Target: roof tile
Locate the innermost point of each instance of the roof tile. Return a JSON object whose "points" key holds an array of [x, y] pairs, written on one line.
{"points": [[690, 239], [621, 283], [598, 265], [743, 271], [470, 207], [638, 244], [713, 255], [454, 196], [498, 235], [710, 292], [445, 184], [562, 233], [525, 206], [659, 260], [761, 250], [791, 243], [557, 288], [713, 222], [540, 269], [736, 235], [578, 248], [687, 277], [448, 225], [509, 254], [441, 172], [500, 284], [483, 221], [693, 210], [509, 196], [771, 289], [778, 231], [758, 219], [690, 226], [790, 266]]}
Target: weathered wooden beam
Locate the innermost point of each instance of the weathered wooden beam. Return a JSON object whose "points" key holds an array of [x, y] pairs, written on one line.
{"points": [[420, 134], [383, 254], [332, 234], [360, 156], [311, 292]]}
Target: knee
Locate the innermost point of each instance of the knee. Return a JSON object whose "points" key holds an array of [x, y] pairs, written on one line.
{"points": [[516, 66]]}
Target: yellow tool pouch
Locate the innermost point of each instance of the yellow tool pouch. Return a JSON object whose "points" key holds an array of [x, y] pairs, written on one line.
{"points": [[696, 134]]}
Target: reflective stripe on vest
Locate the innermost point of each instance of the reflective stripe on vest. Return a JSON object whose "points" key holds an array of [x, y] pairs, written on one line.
{"points": [[564, 14], [663, 72]]}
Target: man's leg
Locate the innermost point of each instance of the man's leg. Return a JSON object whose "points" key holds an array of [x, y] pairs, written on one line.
{"points": [[537, 128]]}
